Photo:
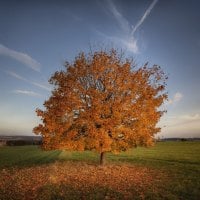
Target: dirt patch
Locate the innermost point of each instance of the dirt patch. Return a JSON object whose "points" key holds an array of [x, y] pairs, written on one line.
{"points": [[72, 180]]}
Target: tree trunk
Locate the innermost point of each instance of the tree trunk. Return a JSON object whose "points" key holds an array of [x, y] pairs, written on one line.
{"points": [[102, 158]]}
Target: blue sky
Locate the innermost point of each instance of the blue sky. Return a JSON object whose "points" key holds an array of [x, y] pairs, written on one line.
{"points": [[36, 38]]}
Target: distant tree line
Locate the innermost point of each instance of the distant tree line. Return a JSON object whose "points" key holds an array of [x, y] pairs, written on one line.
{"points": [[22, 142], [176, 139]]}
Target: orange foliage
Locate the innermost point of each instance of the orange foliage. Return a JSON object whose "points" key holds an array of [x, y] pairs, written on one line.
{"points": [[70, 180], [102, 102]]}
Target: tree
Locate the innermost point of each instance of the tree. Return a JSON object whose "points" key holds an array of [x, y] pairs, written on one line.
{"points": [[102, 102]]}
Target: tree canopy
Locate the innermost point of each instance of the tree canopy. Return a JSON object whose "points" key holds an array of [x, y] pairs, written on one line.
{"points": [[102, 102]]}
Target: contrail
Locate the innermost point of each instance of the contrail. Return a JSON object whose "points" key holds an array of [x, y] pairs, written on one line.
{"points": [[147, 12], [129, 41]]}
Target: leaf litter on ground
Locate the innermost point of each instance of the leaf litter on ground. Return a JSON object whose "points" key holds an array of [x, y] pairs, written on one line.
{"points": [[75, 180]]}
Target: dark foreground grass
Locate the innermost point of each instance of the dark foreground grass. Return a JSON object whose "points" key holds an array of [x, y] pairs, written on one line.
{"points": [[178, 162]]}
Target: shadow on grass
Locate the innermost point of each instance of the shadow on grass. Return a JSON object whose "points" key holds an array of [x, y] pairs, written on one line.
{"points": [[27, 156], [33, 160]]}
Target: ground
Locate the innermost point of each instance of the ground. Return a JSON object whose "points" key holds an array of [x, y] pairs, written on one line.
{"points": [[170, 170], [69, 180]]}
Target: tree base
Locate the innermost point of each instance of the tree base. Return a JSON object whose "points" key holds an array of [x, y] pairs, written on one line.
{"points": [[102, 158]]}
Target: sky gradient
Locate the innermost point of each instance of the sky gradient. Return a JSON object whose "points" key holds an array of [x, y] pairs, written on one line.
{"points": [[36, 38]]}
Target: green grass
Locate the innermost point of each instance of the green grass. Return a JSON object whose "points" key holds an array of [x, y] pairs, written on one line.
{"points": [[180, 160], [163, 154]]}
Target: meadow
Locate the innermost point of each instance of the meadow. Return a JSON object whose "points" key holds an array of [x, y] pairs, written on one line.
{"points": [[169, 170]]}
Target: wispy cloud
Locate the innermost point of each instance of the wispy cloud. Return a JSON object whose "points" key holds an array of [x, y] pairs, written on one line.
{"points": [[129, 40], [129, 43], [123, 22], [21, 57], [176, 98], [15, 75], [27, 92], [195, 116], [41, 86]]}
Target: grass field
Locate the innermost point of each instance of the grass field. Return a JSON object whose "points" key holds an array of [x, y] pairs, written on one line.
{"points": [[169, 170]]}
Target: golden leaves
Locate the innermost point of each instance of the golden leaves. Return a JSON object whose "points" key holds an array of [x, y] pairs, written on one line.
{"points": [[97, 94], [31, 183]]}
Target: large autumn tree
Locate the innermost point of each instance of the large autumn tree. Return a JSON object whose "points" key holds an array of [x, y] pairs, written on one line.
{"points": [[102, 102]]}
